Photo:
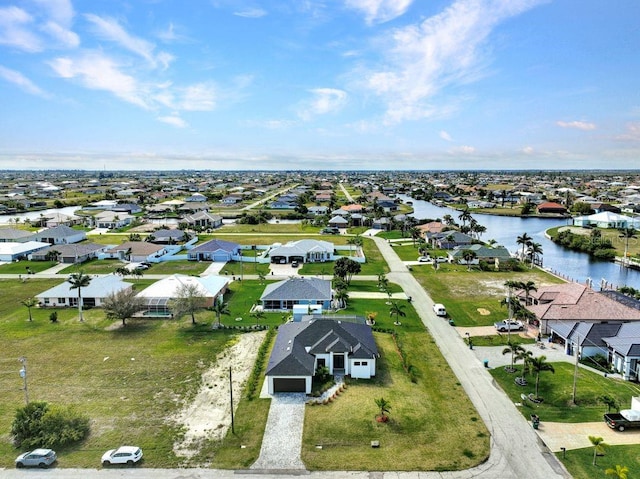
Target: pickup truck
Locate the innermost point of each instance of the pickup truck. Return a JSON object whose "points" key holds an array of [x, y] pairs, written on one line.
{"points": [[509, 325], [625, 419]]}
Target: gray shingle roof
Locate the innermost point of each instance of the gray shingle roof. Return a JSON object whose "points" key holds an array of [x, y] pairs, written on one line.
{"points": [[215, 245], [297, 343], [298, 289]]}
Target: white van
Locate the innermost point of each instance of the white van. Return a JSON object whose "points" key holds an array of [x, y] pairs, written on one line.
{"points": [[439, 309]]}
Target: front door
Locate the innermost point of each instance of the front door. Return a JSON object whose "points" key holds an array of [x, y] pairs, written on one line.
{"points": [[338, 362]]}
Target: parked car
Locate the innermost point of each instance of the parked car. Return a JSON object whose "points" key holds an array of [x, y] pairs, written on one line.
{"points": [[36, 458], [294, 264], [128, 455], [439, 309], [330, 231], [509, 325], [441, 259], [424, 259]]}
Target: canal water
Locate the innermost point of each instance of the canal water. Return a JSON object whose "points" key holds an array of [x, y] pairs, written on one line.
{"points": [[505, 230]]}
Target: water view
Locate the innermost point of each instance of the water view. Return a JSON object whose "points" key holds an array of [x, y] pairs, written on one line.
{"points": [[505, 230]]}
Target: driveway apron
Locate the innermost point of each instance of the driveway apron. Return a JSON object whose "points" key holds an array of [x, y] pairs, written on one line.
{"points": [[282, 440]]}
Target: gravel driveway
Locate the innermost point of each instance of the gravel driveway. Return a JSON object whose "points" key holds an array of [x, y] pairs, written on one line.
{"points": [[282, 440]]}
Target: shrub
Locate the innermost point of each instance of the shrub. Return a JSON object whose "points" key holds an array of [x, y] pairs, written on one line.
{"points": [[40, 425]]}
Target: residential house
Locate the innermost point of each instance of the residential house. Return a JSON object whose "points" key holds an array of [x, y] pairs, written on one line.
{"points": [[196, 197], [10, 251], [302, 347], [576, 302], [167, 236], [551, 208], [283, 295], [136, 251], [203, 219], [231, 200], [92, 295], [112, 220], [318, 210], [430, 228], [157, 297], [450, 239], [482, 252], [303, 251], [624, 350], [338, 222], [70, 253], [607, 219], [215, 250], [130, 208], [60, 235], [382, 223], [13, 235], [57, 219]]}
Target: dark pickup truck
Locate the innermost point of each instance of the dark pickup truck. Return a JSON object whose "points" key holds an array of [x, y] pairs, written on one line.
{"points": [[626, 419]]}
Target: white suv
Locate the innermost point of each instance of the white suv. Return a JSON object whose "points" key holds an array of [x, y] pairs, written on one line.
{"points": [[128, 455]]}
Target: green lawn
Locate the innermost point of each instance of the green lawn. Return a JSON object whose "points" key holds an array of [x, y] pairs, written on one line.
{"points": [[21, 267], [414, 438], [557, 389], [127, 381], [464, 292], [579, 462], [178, 267], [94, 266]]}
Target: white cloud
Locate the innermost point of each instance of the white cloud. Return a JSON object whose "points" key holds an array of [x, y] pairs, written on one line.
{"points": [[324, 101], [173, 120], [15, 24], [444, 50], [65, 37], [463, 150], [251, 13], [110, 29], [60, 14], [632, 133], [528, 150], [96, 71], [445, 136], [578, 125], [197, 97], [21, 81], [380, 11]]}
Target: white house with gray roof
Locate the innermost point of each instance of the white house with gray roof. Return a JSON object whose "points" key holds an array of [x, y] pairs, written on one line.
{"points": [[283, 295], [93, 295], [14, 251], [62, 234], [304, 251], [302, 347]]}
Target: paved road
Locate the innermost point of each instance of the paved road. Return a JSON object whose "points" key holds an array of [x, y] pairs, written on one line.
{"points": [[511, 434]]}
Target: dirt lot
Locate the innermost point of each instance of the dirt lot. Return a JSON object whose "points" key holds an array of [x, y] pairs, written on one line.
{"points": [[208, 416]]}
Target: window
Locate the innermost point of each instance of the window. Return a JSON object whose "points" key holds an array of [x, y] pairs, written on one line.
{"points": [[46, 300], [356, 363], [61, 301], [364, 363]]}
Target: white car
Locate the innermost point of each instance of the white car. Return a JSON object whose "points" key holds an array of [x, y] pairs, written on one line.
{"points": [[424, 259], [128, 455]]}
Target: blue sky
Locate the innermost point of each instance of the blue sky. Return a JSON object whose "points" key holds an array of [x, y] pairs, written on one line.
{"points": [[326, 84]]}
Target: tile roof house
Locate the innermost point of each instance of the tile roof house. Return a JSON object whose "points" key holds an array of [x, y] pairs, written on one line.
{"points": [[304, 251], [301, 347], [167, 236], [576, 302], [449, 239], [283, 295], [215, 250], [93, 295]]}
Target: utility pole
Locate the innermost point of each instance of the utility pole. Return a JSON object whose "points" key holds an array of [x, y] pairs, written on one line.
{"points": [[233, 431], [23, 375], [575, 369]]}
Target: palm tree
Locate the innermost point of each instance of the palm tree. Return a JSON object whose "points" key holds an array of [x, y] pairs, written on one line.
{"points": [[396, 310], [619, 471], [29, 303], [342, 296], [539, 365], [383, 282], [78, 281], [524, 240], [515, 349], [598, 447], [527, 288], [261, 278], [468, 256], [465, 216], [384, 406], [525, 356], [219, 308], [415, 235], [627, 233], [535, 249]]}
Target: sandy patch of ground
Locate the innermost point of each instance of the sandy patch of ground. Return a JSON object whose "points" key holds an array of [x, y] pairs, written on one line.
{"points": [[483, 312], [208, 416]]}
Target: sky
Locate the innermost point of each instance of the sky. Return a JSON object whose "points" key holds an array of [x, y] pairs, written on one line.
{"points": [[319, 84]]}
